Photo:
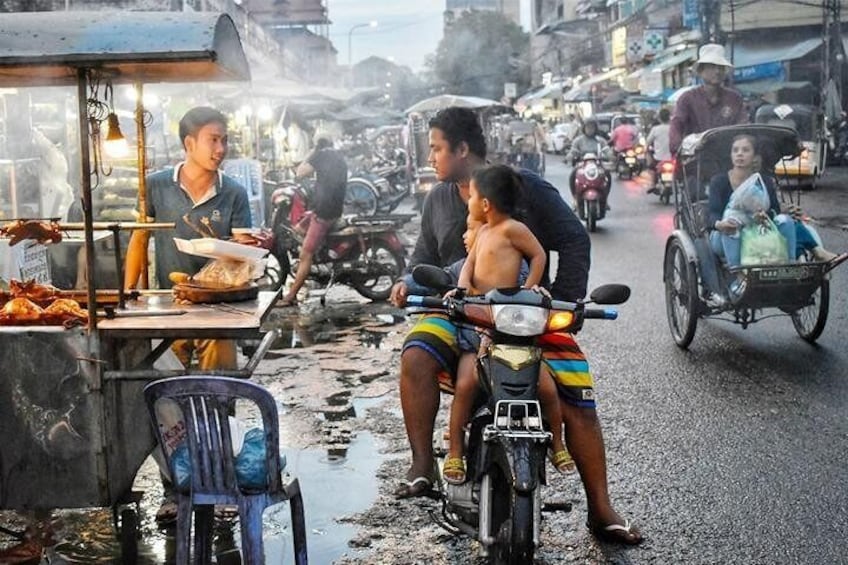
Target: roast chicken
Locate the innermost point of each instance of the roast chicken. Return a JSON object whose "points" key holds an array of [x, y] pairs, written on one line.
{"points": [[66, 308], [29, 303], [22, 310], [43, 232]]}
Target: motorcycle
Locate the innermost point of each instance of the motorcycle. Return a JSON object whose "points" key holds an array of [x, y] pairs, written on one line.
{"points": [[591, 188], [627, 162], [364, 253], [378, 190], [506, 440], [664, 176]]}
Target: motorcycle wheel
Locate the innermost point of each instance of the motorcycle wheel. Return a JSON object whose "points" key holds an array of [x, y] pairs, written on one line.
{"points": [[810, 320], [681, 294], [512, 525], [359, 200], [665, 194], [392, 263], [592, 216]]}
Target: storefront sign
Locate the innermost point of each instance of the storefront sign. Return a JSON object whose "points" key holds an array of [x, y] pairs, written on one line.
{"points": [[773, 70], [619, 47]]}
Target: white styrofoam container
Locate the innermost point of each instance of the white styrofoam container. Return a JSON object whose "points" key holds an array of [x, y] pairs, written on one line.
{"points": [[220, 249]]}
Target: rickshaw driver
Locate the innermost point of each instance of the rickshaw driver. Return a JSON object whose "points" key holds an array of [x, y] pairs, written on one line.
{"points": [[707, 106], [430, 352]]}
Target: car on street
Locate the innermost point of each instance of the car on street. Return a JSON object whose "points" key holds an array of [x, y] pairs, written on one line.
{"points": [[559, 138]]}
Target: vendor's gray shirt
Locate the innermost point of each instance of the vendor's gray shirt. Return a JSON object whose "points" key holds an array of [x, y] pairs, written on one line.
{"points": [[168, 202]]}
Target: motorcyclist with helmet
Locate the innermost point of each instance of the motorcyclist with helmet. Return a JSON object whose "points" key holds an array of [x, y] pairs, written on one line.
{"points": [[589, 141]]}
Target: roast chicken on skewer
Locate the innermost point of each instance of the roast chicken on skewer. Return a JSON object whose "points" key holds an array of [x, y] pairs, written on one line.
{"points": [[42, 231]]}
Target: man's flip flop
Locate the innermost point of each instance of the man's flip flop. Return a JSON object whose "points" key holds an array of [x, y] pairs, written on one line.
{"points": [[419, 486], [616, 533]]}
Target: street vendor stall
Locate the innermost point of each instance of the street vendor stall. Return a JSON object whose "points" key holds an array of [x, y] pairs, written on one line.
{"points": [[72, 414]]}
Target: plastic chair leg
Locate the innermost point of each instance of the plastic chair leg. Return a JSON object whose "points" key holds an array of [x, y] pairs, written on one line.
{"points": [[203, 521], [250, 518], [183, 533], [298, 529]]}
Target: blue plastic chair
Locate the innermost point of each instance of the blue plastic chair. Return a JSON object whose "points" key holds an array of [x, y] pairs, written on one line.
{"points": [[206, 403]]}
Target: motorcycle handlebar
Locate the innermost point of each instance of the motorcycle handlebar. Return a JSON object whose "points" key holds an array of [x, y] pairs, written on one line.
{"points": [[425, 301], [601, 313]]}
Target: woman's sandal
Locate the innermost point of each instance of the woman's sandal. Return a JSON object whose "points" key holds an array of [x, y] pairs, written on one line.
{"points": [[563, 462], [454, 470]]}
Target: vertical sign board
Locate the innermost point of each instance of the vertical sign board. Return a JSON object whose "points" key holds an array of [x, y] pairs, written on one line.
{"points": [[510, 89], [619, 47], [692, 14]]}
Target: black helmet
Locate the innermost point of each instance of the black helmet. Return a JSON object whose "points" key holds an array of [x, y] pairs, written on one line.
{"points": [[590, 121]]}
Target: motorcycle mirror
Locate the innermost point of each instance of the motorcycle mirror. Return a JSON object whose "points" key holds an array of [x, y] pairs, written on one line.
{"points": [[433, 277], [610, 294]]}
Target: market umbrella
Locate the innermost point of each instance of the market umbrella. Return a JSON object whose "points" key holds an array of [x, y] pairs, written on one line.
{"points": [[443, 101]]}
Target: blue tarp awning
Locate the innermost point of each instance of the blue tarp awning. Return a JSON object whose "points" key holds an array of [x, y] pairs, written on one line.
{"points": [[750, 54]]}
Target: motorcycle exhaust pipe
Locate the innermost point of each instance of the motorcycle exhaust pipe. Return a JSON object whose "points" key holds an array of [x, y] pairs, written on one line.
{"points": [[485, 537]]}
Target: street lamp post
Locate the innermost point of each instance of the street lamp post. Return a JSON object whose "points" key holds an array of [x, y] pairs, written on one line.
{"points": [[372, 23]]}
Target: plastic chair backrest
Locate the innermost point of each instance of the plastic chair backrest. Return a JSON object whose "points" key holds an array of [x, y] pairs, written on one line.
{"points": [[205, 402]]}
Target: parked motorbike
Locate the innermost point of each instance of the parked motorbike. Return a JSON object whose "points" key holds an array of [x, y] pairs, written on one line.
{"points": [[506, 440], [664, 175], [591, 188], [364, 253], [378, 189]]}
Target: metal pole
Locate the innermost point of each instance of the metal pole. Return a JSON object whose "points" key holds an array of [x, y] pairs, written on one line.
{"points": [[141, 150], [85, 189]]}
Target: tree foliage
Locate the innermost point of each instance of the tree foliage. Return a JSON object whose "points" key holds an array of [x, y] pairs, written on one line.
{"points": [[480, 52]]}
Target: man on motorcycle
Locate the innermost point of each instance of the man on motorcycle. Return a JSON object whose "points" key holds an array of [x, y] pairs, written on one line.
{"points": [[429, 358], [327, 203], [658, 145], [589, 141], [624, 136]]}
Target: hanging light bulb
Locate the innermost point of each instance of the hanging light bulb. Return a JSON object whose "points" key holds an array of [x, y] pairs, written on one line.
{"points": [[115, 145]]}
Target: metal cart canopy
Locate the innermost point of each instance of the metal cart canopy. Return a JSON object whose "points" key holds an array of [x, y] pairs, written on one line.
{"points": [[47, 48]]}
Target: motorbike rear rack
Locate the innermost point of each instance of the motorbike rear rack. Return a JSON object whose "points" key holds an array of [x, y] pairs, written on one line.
{"points": [[517, 419]]}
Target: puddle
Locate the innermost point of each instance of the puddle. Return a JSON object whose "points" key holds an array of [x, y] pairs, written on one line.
{"points": [[329, 324], [336, 480]]}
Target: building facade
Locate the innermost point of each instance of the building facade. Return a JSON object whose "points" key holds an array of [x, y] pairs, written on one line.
{"points": [[509, 8]]}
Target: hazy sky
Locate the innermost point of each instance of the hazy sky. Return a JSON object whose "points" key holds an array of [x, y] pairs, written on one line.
{"points": [[407, 30]]}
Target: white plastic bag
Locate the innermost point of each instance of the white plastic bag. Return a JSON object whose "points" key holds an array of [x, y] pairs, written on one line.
{"points": [[748, 198]]}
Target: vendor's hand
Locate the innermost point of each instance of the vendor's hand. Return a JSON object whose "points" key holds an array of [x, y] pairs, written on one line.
{"points": [[451, 293], [398, 296]]}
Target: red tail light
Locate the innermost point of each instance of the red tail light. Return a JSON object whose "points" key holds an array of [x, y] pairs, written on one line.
{"points": [[668, 167]]}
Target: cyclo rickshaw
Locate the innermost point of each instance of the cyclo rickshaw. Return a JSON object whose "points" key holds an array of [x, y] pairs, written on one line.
{"points": [[799, 290], [805, 119]]}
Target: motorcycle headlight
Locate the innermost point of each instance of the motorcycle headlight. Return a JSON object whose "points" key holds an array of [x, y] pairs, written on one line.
{"points": [[591, 171], [520, 320]]}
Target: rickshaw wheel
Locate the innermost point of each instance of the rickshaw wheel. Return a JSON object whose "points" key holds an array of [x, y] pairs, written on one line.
{"points": [[129, 536], [681, 294], [810, 320]]}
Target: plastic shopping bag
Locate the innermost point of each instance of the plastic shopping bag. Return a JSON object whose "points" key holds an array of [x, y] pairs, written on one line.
{"points": [[748, 198], [762, 244]]}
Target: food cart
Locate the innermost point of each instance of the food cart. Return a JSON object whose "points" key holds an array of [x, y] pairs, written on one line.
{"points": [[74, 426]]}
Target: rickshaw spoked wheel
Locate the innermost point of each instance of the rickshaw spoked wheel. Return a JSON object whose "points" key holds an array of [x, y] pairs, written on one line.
{"points": [[681, 294], [810, 320]]}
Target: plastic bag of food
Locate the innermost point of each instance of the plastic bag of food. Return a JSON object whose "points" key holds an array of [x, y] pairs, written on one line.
{"points": [[224, 273], [762, 244]]}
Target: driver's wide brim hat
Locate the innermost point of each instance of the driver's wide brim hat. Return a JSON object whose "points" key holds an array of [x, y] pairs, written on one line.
{"points": [[712, 53]]}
